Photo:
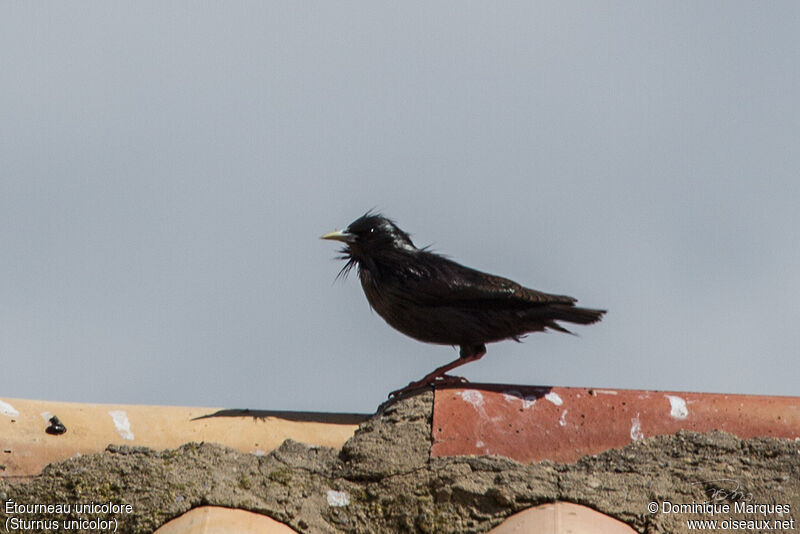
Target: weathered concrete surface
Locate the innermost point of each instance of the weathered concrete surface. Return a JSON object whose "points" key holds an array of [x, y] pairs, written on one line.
{"points": [[383, 480]]}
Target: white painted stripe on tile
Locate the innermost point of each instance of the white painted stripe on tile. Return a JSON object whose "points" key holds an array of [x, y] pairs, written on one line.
{"points": [[120, 419], [636, 429], [473, 397], [7, 409], [555, 398], [677, 407]]}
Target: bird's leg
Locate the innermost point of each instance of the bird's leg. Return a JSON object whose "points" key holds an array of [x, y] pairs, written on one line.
{"points": [[468, 353]]}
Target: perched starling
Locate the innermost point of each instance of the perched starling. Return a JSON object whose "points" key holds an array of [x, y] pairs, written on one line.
{"points": [[436, 300]]}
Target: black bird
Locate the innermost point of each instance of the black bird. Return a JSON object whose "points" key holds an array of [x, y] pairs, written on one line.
{"points": [[436, 300]]}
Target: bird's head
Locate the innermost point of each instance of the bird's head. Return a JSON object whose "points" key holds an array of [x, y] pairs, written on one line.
{"points": [[369, 237]]}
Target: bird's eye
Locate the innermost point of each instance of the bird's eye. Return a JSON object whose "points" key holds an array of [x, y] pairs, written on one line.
{"points": [[372, 230]]}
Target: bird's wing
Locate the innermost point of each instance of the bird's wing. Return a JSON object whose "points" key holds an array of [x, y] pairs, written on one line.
{"points": [[443, 282]]}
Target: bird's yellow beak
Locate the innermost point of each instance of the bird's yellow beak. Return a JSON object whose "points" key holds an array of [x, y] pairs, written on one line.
{"points": [[338, 235]]}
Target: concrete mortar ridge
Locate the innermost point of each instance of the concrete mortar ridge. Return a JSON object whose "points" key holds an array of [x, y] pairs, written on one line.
{"points": [[394, 485]]}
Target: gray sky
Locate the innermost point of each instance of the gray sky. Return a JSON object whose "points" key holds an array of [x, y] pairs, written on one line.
{"points": [[166, 170]]}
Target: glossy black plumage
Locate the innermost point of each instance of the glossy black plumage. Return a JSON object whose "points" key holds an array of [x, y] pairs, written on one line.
{"points": [[434, 299]]}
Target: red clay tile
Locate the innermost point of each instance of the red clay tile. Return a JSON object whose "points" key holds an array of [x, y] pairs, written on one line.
{"points": [[531, 423]]}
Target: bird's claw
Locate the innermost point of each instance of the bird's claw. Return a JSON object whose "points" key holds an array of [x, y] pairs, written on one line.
{"points": [[442, 380]]}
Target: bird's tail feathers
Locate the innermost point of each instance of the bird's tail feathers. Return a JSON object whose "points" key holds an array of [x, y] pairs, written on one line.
{"points": [[572, 314]]}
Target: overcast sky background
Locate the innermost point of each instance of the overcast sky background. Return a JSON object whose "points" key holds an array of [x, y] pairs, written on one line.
{"points": [[166, 170]]}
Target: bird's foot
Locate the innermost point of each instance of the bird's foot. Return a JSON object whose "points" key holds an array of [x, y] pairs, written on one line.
{"points": [[441, 380], [438, 380]]}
